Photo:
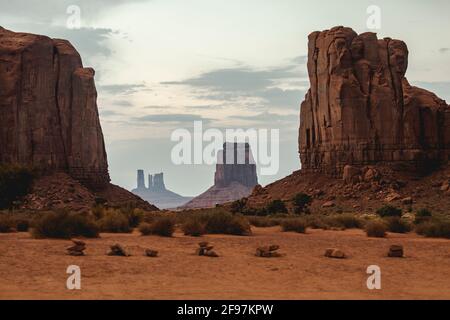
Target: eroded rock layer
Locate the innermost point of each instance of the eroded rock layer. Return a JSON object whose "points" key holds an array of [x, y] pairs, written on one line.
{"points": [[361, 109], [48, 109]]}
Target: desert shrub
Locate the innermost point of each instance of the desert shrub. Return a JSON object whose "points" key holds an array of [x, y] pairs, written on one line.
{"points": [[6, 224], [223, 222], [301, 201], [434, 228], [114, 221], [194, 227], [15, 183], [64, 225], [397, 225], [22, 225], [294, 225], [163, 226], [344, 221], [220, 221], [423, 215], [276, 206], [238, 205], [376, 229], [135, 217], [389, 211], [264, 222]]}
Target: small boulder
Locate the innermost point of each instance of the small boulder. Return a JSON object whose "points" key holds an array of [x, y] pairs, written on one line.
{"points": [[151, 253], [407, 200], [328, 204], [268, 251], [351, 174], [392, 197], [335, 254], [118, 250], [396, 251]]}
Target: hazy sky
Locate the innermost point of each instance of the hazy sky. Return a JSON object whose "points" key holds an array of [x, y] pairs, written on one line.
{"points": [[161, 64]]}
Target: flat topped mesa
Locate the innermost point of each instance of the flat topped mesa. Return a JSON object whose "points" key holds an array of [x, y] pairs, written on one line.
{"points": [[361, 109], [236, 164]]}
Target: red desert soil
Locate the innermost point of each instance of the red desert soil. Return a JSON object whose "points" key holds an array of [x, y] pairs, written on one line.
{"points": [[36, 269]]}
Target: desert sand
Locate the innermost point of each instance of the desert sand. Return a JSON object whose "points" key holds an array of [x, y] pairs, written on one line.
{"points": [[36, 269]]}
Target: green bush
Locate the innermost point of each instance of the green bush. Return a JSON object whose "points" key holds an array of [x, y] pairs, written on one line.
{"points": [[389, 211], [294, 225], [276, 206], [434, 228], [238, 206], [423, 215], [397, 225], [114, 221], [376, 229], [301, 201], [264, 222], [163, 226], [220, 221], [64, 225], [194, 227], [345, 221], [6, 224], [15, 183]]}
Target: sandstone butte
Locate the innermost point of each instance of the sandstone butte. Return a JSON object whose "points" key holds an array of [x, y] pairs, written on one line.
{"points": [[363, 120], [49, 116], [361, 109]]}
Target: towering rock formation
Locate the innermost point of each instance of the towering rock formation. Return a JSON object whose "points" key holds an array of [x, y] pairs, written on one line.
{"points": [[157, 193], [235, 177], [49, 117], [361, 110], [49, 121], [237, 165]]}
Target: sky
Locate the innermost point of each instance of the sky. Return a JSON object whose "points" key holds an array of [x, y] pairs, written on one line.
{"points": [[163, 64]]}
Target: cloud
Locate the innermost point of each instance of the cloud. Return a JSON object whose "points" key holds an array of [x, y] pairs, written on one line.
{"points": [[444, 50], [268, 117], [123, 89], [265, 87], [52, 10], [123, 103], [171, 118]]}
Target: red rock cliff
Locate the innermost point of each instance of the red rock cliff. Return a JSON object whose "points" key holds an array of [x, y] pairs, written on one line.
{"points": [[48, 109], [361, 109]]}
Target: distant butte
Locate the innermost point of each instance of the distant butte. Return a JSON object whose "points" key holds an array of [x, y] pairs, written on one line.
{"points": [[235, 177]]}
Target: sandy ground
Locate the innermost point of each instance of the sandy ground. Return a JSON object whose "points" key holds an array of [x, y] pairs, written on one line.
{"points": [[36, 269]]}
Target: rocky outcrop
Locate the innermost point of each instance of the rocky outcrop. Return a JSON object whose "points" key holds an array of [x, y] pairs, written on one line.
{"points": [[157, 193], [361, 109], [48, 106], [235, 177]]}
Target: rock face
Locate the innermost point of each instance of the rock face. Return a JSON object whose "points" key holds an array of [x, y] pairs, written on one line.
{"points": [[361, 109], [49, 117], [157, 193], [235, 177]]}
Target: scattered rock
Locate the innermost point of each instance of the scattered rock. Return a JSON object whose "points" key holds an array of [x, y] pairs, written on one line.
{"points": [[335, 254], [118, 250], [328, 204], [392, 197], [206, 250], [268, 252], [445, 187], [396, 251], [151, 253], [351, 174], [78, 249]]}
